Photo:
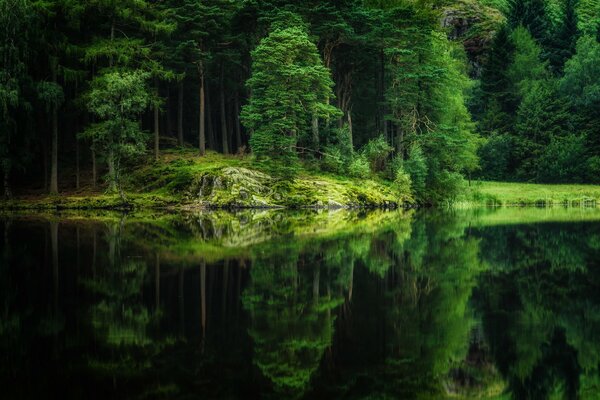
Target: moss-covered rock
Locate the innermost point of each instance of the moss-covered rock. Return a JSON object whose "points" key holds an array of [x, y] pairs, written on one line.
{"points": [[239, 187], [183, 180]]}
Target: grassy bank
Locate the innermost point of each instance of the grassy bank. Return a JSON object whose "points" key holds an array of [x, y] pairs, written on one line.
{"points": [[182, 180], [533, 194]]}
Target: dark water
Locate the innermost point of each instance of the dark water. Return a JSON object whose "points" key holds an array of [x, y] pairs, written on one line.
{"points": [[485, 304]]}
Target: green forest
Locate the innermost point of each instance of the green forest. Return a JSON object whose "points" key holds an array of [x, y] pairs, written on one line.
{"points": [[422, 97]]}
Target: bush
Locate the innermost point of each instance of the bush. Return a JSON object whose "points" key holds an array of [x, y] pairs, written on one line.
{"points": [[377, 152], [333, 160], [359, 167], [402, 183]]}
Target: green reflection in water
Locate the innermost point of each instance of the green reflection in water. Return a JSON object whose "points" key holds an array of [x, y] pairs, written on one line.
{"points": [[479, 303]]}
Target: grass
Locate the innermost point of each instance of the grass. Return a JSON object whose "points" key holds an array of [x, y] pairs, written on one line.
{"points": [[176, 181], [533, 194]]}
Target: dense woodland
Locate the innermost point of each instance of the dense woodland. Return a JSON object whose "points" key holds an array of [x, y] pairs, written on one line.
{"points": [[426, 93]]}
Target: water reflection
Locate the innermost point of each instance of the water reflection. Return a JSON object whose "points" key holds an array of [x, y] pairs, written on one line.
{"points": [[487, 303]]}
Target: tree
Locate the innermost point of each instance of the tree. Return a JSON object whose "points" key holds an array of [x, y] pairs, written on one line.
{"points": [[532, 15], [495, 90], [117, 99], [563, 41], [289, 85], [581, 85]]}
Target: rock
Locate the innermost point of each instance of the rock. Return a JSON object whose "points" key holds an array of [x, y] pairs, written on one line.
{"points": [[334, 204]]}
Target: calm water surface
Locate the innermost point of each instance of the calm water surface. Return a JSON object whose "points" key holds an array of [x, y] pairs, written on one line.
{"points": [[313, 305]]}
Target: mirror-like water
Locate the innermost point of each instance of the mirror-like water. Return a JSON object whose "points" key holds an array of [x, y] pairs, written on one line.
{"points": [[489, 303]]}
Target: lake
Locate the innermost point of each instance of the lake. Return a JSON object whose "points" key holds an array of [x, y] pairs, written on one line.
{"points": [[486, 303]]}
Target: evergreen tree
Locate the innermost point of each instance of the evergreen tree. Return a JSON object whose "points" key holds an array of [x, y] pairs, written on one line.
{"points": [[563, 41], [497, 97], [288, 86], [532, 15], [118, 98]]}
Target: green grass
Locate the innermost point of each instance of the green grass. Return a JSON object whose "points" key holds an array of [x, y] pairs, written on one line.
{"points": [[176, 179], [527, 194]]}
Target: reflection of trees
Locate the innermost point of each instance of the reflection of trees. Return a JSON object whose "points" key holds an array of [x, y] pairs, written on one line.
{"points": [[410, 322], [540, 311], [291, 324]]}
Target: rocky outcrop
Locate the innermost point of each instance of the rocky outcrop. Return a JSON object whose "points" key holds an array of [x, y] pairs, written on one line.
{"points": [[475, 25], [237, 187]]}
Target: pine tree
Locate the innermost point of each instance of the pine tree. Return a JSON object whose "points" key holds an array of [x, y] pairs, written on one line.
{"points": [[288, 86], [532, 15], [495, 83], [563, 41]]}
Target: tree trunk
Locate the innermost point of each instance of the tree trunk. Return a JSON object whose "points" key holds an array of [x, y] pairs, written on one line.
{"points": [[7, 191], [350, 128], [224, 134], [238, 127], [94, 169], [156, 122], [202, 120], [168, 122], [77, 175], [212, 143], [180, 114], [54, 152], [315, 132], [54, 145], [112, 177]]}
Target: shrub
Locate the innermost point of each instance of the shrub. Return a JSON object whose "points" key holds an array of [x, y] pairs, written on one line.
{"points": [[402, 183], [377, 152], [359, 167], [333, 160]]}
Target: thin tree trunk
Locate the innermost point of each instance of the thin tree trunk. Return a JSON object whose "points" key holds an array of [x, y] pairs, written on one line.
{"points": [[112, 185], [224, 134], [54, 153], [202, 121], [77, 175], [168, 122], [156, 122], [180, 114], [7, 191], [212, 143], [238, 127], [350, 128], [54, 145], [94, 173], [315, 132]]}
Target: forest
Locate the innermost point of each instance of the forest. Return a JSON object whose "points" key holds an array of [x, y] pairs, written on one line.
{"points": [[425, 95]]}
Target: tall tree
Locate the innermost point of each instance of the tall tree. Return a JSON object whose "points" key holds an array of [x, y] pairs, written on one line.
{"points": [[288, 86]]}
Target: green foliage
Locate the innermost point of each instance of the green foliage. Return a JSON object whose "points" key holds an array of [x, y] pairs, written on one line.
{"points": [[416, 167], [359, 167], [581, 81], [289, 85], [117, 99], [377, 152], [563, 160], [496, 157]]}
